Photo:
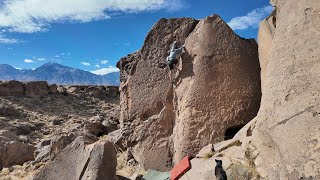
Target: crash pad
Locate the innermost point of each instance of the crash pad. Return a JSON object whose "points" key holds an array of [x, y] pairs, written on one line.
{"points": [[156, 175], [182, 167]]}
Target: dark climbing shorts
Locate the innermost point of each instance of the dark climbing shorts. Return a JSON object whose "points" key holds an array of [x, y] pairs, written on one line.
{"points": [[171, 63]]}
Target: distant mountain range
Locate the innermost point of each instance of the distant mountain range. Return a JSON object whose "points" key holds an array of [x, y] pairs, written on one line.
{"points": [[55, 73]]}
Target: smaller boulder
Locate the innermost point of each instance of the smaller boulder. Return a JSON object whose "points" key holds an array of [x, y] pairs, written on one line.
{"points": [[110, 125], [96, 91], [95, 128], [56, 121], [24, 129], [36, 89], [73, 90], [117, 138], [13, 152], [62, 89], [53, 89], [11, 88], [112, 91], [6, 110], [83, 159]]}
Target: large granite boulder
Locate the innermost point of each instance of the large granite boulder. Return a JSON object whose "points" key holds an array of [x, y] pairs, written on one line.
{"points": [[283, 141], [82, 160], [13, 152], [36, 89], [147, 96], [217, 87], [11, 88]]}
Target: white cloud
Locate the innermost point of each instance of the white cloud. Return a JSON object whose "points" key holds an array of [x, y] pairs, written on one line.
{"points": [[41, 59], [85, 63], [97, 65], [252, 19], [104, 61], [28, 61], [5, 40], [104, 71], [64, 54], [30, 16]]}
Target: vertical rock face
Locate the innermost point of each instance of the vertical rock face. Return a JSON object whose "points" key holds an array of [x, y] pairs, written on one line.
{"points": [[265, 37], [289, 116], [218, 87], [146, 93], [283, 141]]}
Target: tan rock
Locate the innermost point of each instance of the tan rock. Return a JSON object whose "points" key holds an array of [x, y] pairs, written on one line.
{"points": [[217, 87], [146, 94], [82, 159], [117, 138], [13, 152], [73, 90], [282, 142], [61, 89], [265, 37], [287, 126]]}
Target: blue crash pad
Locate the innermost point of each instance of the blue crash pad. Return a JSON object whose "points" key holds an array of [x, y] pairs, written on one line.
{"points": [[156, 175]]}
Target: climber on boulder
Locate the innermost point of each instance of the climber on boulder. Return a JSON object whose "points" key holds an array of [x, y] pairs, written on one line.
{"points": [[172, 59]]}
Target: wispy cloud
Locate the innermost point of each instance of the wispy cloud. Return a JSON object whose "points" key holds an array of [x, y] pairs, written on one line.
{"points": [[97, 65], [5, 40], [65, 54], [104, 61], [41, 59], [85, 63], [30, 16], [251, 20], [104, 71], [176, 5], [28, 61]]}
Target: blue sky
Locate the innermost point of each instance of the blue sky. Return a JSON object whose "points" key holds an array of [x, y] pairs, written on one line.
{"points": [[94, 34]]}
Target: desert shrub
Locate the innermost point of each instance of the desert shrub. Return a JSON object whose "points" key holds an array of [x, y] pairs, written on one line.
{"points": [[208, 155], [245, 171]]}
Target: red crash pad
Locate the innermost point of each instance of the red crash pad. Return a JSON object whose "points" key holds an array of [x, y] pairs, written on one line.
{"points": [[182, 167]]}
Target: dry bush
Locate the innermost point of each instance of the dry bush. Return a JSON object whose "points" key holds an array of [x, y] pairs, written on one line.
{"points": [[245, 171], [125, 170], [208, 155]]}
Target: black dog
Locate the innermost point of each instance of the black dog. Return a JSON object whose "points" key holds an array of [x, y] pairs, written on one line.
{"points": [[219, 172]]}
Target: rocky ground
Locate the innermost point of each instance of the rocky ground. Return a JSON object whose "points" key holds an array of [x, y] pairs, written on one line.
{"points": [[33, 130]]}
